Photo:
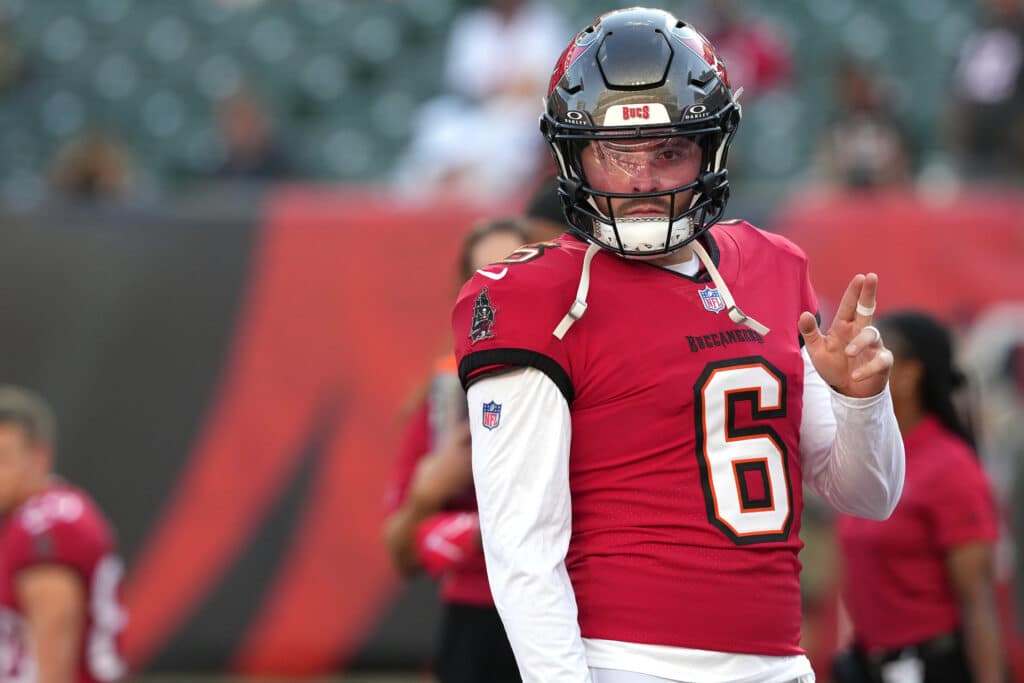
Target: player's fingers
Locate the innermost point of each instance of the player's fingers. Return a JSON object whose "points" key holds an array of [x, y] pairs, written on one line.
{"points": [[848, 304], [865, 308], [866, 338], [808, 327], [880, 364]]}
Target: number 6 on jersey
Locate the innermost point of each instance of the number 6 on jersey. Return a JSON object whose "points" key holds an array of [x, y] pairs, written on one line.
{"points": [[743, 469]]}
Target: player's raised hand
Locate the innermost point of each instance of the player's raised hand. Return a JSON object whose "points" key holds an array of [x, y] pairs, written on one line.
{"points": [[850, 356]]}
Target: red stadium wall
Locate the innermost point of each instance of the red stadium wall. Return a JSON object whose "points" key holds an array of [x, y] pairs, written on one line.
{"points": [[951, 255], [346, 305]]}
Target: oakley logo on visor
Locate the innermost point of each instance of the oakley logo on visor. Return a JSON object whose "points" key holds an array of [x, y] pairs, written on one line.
{"points": [[641, 113]]}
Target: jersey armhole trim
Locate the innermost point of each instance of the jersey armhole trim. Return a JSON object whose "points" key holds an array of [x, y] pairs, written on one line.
{"points": [[503, 359]]}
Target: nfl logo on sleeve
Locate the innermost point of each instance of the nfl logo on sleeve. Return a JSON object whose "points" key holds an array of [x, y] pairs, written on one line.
{"points": [[712, 300], [492, 415]]}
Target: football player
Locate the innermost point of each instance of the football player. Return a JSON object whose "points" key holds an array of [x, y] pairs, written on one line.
{"points": [[60, 614], [640, 439]]}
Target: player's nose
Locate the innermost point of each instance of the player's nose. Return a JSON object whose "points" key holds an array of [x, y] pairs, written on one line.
{"points": [[645, 181]]}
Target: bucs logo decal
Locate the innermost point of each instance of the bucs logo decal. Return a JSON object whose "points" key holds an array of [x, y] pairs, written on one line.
{"points": [[482, 326]]}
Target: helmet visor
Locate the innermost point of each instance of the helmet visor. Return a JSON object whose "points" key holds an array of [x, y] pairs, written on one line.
{"points": [[632, 165]]}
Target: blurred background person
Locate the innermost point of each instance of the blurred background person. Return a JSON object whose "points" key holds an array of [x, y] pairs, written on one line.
{"points": [[544, 212], [759, 59], [13, 67], [986, 125], [251, 148], [94, 167], [756, 53], [919, 587], [863, 145], [480, 137], [993, 353], [60, 615], [433, 524]]}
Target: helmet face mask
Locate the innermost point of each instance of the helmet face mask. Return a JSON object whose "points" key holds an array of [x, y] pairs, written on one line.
{"points": [[639, 117]]}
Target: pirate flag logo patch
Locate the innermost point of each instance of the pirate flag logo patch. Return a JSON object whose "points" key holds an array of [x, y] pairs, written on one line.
{"points": [[483, 318]]}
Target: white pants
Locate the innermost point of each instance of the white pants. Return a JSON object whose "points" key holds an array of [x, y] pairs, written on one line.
{"points": [[613, 676]]}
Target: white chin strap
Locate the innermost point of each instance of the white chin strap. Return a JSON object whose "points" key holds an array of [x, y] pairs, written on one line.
{"points": [[579, 306]]}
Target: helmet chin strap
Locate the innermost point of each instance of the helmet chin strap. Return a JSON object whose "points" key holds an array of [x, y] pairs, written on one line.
{"points": [[735, 314], [579, 306]]}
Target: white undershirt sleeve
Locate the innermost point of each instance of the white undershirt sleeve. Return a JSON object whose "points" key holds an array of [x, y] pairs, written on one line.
{"points": [[851, 449], [521, 474]]}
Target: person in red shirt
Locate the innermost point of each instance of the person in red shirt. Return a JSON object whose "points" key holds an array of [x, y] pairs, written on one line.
{"points": [[432, 524], [758, 57], [60, 614], [919, 587]]}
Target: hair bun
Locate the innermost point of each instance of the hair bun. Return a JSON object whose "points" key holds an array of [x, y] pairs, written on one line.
{"points": [[957, 378]]}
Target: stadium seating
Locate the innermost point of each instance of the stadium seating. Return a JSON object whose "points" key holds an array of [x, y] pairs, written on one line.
{"points": [[343, 79]]}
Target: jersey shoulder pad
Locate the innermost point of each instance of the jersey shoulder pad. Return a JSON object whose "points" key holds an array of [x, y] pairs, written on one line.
{"points": [[748, 236], [59, 525], [507, 313]]}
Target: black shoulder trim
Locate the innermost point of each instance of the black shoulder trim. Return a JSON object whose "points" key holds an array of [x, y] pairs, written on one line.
{"points": [[516, 358], [800, 337]]}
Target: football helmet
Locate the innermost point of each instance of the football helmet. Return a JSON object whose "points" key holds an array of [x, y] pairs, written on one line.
{"points": [[638, 87]]}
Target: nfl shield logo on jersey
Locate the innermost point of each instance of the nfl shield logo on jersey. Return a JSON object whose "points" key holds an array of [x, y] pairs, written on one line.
{"points": [[492, 415], [712, 300]]}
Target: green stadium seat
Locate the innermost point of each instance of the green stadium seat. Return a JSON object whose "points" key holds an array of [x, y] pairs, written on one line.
{"points": [[117, 76], [168, 40], [64, 39], [202, 151], [218, 75], [344, 78], [163, 114], [321, 13], [324, 77], [63, 114], [271, 39], [390, 114], [430, 14], [376, 39], [107, 11], [925, 11]]}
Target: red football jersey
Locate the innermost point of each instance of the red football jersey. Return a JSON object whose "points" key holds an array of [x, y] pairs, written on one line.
{"points": [[895, 584], [684, 467], [62, 525]]}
